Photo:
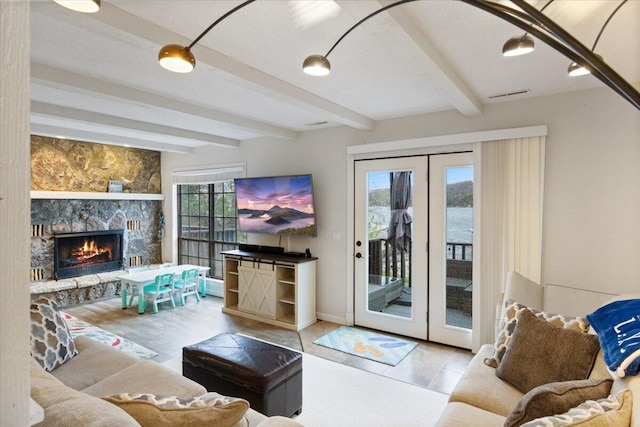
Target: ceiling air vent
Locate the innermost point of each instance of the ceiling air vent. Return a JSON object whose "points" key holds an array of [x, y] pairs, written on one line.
{"points": [[316, 123], [504, 95]]}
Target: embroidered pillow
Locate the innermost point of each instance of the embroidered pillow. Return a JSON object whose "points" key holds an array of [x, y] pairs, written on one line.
{"points": [[508, 324], [613, 411], [540, 353], [51, 342], [207, 410], [556, 398]]}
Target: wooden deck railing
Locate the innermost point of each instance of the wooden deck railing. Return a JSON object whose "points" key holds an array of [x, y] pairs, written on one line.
{"points": [[386, 260]]}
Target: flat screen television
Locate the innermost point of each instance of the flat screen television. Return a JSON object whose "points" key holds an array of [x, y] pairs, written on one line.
{"points": [[279, 205]]}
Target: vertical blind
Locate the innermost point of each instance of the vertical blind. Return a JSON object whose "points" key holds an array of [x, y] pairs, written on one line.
{"points": [[511, 194]]}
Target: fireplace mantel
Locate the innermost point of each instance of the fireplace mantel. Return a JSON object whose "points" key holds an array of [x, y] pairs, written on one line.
{"points": [[79, 195]]}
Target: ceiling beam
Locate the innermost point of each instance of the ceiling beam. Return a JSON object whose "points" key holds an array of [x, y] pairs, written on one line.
{"points": [[55, 77], [55, 111], [454, 89], [251, 77], [104, 138]]}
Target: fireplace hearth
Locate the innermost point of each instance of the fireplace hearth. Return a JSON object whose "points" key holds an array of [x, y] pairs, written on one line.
{"points": [[91, 252]]}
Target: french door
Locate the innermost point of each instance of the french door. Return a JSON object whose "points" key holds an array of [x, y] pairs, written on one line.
{"points": [[450, 248], [390, 248], [412, 246]]}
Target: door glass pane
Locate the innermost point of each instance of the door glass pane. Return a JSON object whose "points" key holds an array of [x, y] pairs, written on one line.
{"points": [[389, 231], [459, 226]]}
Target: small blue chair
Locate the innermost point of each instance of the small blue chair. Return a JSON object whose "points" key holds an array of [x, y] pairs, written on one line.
{"points": [[161, 291], [133, 291], [188, 285]]}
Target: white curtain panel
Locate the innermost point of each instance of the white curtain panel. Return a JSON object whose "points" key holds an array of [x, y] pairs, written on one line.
{"points": [[510, 181]]}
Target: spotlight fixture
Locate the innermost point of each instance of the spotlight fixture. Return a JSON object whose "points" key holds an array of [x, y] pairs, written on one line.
{"points": [[179, 59], [521, 45], [319, 65], [84, 6], [576, 69]]}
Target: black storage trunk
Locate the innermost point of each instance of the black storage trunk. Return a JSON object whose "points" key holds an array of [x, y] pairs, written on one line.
{"points": [[268, 376]]}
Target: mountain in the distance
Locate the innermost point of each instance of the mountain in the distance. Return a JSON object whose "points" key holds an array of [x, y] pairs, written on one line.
{"points": [[460, 194], [277, 215]]}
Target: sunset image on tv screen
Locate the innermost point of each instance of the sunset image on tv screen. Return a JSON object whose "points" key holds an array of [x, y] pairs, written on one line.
{"points": [[276, 205]]}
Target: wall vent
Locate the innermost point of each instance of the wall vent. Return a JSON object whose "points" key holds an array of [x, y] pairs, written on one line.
{"points": [[36, 274], [504, 95], [133, 224], [135, 261], [37, 230]]}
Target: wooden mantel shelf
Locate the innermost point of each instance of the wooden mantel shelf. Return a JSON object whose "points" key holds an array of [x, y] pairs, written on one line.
{"points": [[82, 195]]}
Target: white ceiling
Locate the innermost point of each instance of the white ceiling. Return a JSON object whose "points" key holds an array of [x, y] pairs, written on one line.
{"points": [[95, 77]]}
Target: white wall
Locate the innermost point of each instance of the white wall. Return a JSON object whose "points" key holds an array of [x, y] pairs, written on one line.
{"points": [[15, 182], [592, 194]]}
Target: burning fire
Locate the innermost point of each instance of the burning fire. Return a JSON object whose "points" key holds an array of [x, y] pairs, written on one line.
{"points": [[90, 250]]}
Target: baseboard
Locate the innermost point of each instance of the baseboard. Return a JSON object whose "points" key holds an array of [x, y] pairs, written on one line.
{"points": [[331, 318]]}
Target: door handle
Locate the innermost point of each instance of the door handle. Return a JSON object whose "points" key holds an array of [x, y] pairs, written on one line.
{"points": [[358, 255]]}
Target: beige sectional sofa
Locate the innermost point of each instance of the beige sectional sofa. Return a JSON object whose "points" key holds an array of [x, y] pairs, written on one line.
{"points": [[482, 399], [70, 394], [82, 382]]}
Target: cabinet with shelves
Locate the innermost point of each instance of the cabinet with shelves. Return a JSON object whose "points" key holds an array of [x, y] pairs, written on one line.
{"points": [[230, 294], [275, 289]]}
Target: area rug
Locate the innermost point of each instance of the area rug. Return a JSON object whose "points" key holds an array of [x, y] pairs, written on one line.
{"points": [[370, 345], [80, 327], [337, 395]]}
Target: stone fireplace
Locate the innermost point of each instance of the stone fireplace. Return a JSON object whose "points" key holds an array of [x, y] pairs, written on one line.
{"points": [[134, 221], [92, 252], [70, 199]]}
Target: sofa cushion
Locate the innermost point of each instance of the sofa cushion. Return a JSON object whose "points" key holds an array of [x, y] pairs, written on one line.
{"points": [[147, 376], [480, 387], [614, 411], [556, 398], [51, 342], [509, 321], [95, 361], [540, 353], [206, 410], [66, 407]]}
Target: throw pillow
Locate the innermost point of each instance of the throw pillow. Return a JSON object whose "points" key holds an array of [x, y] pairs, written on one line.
{"points": [[556, 398], [51, 342], [539, 353], [614, 411], [206, 410], [510, 319]]}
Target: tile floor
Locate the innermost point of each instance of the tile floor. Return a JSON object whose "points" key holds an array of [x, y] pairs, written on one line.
{"points": [[433, 366]]}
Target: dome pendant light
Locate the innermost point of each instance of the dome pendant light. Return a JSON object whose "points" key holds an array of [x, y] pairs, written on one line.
{"points": [[519, 45], [84, 6], [176, 58], [316, 65], [576, 69], [179, 59]]}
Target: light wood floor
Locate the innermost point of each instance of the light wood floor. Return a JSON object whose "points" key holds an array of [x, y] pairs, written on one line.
{"points": [[433, 366]]}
